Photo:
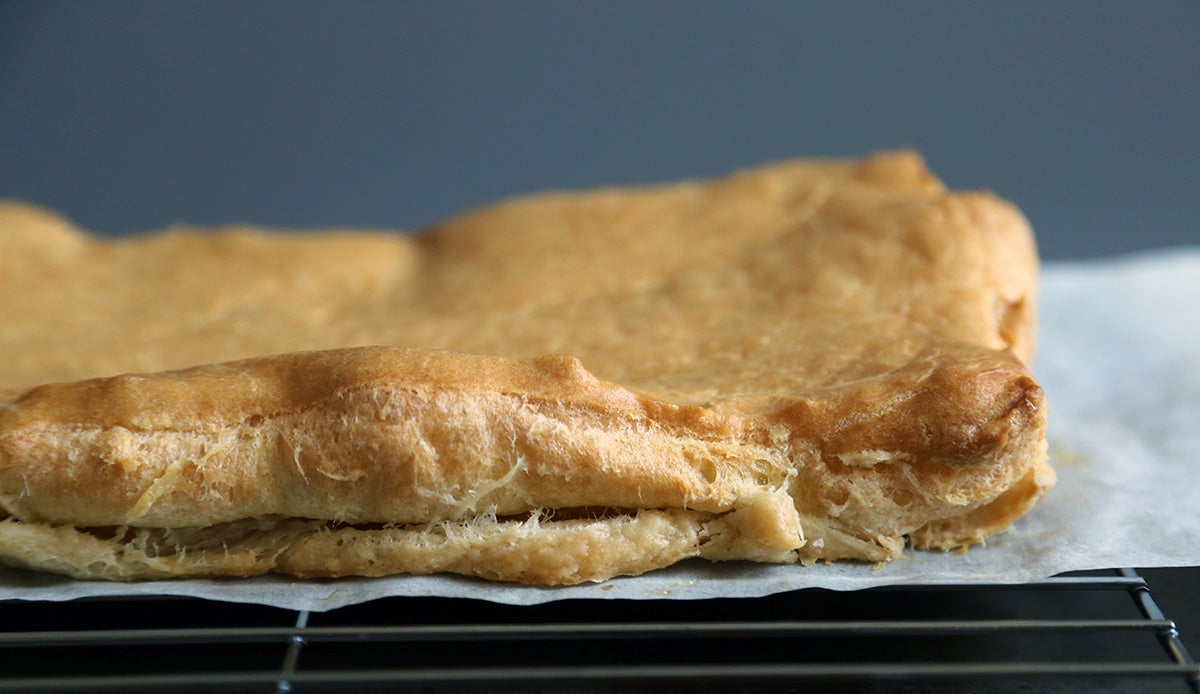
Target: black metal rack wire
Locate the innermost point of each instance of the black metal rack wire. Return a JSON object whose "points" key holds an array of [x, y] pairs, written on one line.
{"points": [[1078, 632]]}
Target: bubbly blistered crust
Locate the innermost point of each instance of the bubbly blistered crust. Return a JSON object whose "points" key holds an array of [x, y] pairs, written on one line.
{"points": [[811, 360]]}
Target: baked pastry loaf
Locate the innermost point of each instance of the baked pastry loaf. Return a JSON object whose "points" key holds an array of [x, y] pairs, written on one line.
{"points": [[811, 360]]}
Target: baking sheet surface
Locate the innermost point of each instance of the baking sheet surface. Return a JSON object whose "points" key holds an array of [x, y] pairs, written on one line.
{"points": [[1119, 347]]}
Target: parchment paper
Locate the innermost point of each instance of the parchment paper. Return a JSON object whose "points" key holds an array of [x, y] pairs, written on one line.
{"points": [[1119, 357]]}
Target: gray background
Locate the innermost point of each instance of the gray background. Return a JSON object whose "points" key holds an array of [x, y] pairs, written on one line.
{"points": [[128, 116]]}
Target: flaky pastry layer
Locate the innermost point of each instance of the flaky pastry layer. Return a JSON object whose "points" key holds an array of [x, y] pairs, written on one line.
{"points": [[811, 360]]}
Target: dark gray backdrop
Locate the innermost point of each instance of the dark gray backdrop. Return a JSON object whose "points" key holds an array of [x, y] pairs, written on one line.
{"points": [[129, 116]]}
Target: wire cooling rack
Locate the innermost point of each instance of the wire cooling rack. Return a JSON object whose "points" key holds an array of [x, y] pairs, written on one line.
{"points": [[1095, 631]]}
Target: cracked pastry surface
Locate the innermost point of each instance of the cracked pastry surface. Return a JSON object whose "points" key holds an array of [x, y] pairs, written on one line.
{"points": [[809, 360]]}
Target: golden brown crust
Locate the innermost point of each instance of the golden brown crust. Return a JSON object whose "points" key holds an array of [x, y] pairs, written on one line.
{"points": [[809, 360]]}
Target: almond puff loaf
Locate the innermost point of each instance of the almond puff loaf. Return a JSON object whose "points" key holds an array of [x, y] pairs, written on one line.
{"points": [[812, 360]]}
